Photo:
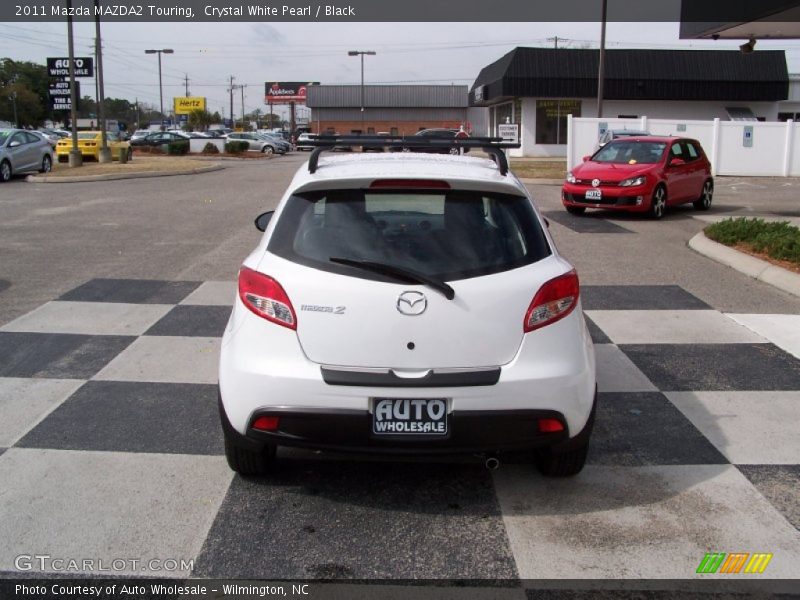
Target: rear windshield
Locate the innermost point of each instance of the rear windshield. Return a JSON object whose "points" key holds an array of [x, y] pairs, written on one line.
{"points": [[630, 152], [447, 235]]}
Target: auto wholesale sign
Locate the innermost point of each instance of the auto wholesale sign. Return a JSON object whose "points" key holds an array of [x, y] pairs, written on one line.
{"points": [[284, 92], [60, 95], [59, 67], [186, 104]]}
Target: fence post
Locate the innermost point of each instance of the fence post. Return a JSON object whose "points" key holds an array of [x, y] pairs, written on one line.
{"points": [[715, 148], [787, 147], [570, 142]]}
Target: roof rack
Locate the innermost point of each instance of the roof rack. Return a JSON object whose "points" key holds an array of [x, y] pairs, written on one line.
{"points": [[491, 145]]}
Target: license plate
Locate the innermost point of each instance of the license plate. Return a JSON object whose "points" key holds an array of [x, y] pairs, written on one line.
{"points": [[409, 416], [594, 194]]}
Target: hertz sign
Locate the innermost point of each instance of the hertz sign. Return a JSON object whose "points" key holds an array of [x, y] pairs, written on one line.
{"points": [[186, 104]]}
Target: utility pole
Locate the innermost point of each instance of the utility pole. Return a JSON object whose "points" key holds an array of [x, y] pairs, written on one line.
{"points": [[230, 89], [186, 83], [105, 152], [13, 98], [138, 116], [241, 87], [601, 68], [75, 156]]}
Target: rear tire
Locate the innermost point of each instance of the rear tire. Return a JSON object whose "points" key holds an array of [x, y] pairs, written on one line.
{"points": [[706, 196], [245, 456], [576, 210], [567, 459], [248, 462]]}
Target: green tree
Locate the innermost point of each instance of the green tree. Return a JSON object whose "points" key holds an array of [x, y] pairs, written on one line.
{"points": [[30, 82], [199, 119]]}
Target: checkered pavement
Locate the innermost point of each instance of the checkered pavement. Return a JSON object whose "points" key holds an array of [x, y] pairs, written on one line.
{"points": [[110, 447]]}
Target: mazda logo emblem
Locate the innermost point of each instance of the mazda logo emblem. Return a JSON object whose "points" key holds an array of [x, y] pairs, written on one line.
{"points": [[412, 303]]}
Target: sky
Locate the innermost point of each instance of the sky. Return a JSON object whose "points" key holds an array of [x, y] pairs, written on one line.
{"points": [[253, 53]]}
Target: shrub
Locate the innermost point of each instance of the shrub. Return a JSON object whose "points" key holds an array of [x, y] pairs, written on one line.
{"points": [[210, 149], [181, 147], [236, 147], [780, 240]]}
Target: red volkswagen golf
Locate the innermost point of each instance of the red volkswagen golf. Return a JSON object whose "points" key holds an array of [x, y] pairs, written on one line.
{"points": [[641, 174]]}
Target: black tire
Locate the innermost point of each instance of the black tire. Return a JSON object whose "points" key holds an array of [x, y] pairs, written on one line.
{"points": [[567, 459], [658, 203], [245, 456], [47, 164], [5, 171], [268, 150], [576, 210], [248, 462], [706, 196]]}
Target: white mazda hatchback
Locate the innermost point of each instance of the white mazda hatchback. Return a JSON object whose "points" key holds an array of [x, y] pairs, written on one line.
{"points": [[407, 303]]}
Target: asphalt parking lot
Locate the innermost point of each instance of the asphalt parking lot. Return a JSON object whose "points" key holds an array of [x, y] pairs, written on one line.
{"points": [[113, 297]]}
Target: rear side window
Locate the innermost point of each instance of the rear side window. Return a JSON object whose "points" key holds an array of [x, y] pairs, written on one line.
{"points": [[443, 234]]}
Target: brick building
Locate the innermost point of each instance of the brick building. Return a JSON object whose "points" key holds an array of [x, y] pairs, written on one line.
{"points": [[392, 109]]}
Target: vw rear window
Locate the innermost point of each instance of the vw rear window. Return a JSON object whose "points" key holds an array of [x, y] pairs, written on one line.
{"points": [[447, 235]]}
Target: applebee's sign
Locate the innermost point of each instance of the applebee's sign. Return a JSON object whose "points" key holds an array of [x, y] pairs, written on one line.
{"points": [[284, 92]]}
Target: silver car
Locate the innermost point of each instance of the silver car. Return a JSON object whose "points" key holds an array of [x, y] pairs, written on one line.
{"points": [[22, 151], [255, 142]]}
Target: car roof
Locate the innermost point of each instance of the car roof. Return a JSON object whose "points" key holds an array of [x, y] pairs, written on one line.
{"points": [[655, 138], [336, 171]]}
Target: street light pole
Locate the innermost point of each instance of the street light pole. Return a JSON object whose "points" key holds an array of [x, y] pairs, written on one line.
{"points": [[160, 86], [361, 53], [13, 98]]}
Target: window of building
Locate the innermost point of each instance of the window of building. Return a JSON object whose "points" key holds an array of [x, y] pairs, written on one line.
{"points": [[503, 114], [393, 131], [370, 130], [551, 120]]}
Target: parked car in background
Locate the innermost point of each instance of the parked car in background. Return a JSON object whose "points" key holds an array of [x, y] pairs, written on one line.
{"points": [[302, 139], [614, 134], [140, 133], [281, 145], [255, 142], [641, 174], [50, 138], [90, 142], [439, 133], [407, 305], [159, 138], [22, 151]]}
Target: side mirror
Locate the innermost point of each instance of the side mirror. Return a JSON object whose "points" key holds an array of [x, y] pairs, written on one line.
{"points": [[263, 219], [586, 158], [14, 144], [676, 162]]}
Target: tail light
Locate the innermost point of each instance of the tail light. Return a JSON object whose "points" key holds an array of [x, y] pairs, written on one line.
{"points": [[550, 426], [264, 423], [266, 298], [554, 300]]}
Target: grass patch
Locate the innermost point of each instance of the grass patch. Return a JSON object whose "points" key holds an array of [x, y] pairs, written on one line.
{"points": [[780, 241], [539, 169], [140, 164]]}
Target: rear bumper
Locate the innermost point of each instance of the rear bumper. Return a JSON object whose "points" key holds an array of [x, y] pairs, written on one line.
{"points": [[350, 431]]}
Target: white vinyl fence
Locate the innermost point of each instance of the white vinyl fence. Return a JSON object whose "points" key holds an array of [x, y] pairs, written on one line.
{"points": [[749, 148]]}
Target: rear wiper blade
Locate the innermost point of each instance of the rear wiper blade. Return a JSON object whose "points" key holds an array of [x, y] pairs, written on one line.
{"points": [[398, 273]]}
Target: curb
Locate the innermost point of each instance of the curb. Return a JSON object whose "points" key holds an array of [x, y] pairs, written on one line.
{"points": [[749, 265], [114, 176]]}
